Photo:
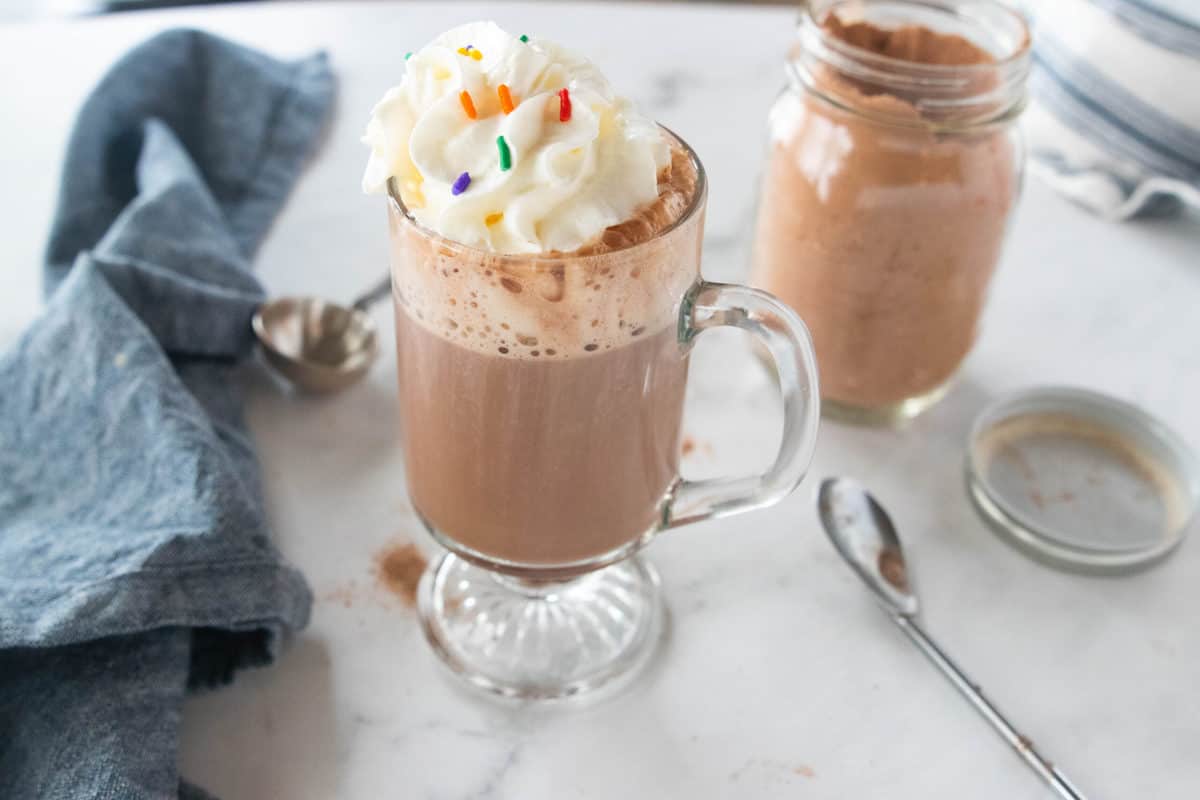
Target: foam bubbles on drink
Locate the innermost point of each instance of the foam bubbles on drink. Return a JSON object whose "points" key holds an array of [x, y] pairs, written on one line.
{"points": [[602, 297]]}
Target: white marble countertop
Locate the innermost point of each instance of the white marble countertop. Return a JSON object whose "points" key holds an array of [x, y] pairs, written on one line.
{"points": [[778, 678]]}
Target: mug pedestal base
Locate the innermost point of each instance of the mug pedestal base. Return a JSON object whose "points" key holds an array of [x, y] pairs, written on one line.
{"points": [[541, 640]]}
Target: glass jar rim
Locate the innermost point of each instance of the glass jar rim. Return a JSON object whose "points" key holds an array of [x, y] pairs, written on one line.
{"points": [[948, 93], [1020, 53], [559, 259]]}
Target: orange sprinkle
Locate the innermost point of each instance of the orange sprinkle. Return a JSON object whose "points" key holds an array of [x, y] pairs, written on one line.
{"points": [[492, 219], [506, 101], [468, 104]]}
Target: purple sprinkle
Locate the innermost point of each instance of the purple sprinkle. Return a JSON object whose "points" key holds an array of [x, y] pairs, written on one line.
{"points": [[461, 184]]}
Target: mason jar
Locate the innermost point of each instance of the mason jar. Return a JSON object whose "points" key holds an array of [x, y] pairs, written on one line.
{"points": [[893, 170]]}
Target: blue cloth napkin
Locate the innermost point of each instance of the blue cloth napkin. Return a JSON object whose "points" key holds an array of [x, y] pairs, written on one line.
{"points": [[135, 561]]}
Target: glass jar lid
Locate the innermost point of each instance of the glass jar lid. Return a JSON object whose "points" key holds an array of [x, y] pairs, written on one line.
{"points": [[1080, 480]]}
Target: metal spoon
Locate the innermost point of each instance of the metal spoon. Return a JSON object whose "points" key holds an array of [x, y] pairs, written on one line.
{"points": [[318, 345], [864, 535]]}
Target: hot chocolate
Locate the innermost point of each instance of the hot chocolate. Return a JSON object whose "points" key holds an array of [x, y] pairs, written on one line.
{"points": [[541, 244], [541, 397]]}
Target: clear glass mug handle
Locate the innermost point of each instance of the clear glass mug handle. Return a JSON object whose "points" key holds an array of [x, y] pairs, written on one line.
{"points": [[783, 333]]}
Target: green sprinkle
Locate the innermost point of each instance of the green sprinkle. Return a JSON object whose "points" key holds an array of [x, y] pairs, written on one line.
{"points": [[408, 55], [524, 38], [505, 154]]}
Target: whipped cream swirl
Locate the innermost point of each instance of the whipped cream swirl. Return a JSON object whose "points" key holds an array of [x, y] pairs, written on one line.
{"points": [[567, 181]]}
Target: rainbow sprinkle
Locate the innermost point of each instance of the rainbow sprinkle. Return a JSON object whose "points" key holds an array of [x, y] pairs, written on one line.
{"points": [[505, 154], [408, 55], [506, 101], [524, 38], [564, 106], [468, 104], [492, 219], [460, 184], [470, 51]]}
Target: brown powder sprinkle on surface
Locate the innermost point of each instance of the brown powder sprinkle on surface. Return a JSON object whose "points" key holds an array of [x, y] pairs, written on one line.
{"points": [[688, 446], [1035, 496], [341, 595], [399, 568], [805, 771]]}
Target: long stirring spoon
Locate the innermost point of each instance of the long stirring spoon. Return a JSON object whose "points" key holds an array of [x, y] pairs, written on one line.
{"points": [[864, 535]]}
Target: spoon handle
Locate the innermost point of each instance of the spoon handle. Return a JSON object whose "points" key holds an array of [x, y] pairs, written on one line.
{"points": [[374, 294], [1022, 744]]}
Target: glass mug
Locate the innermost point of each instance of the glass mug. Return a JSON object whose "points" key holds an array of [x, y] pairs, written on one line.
{"points": [[541, 404]]}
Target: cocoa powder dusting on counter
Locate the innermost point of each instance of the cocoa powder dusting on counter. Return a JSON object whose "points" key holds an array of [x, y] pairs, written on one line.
{"points": [[343, 596], [398, 569]]}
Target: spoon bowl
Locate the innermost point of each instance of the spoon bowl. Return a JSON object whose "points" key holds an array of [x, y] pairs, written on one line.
{"points": [[317, 345], [866, 538]]}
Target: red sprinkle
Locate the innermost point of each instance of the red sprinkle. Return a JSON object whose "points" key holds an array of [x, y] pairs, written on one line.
{"points": [[564, 106]]}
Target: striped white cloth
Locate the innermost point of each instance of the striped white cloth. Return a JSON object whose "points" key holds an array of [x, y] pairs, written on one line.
{"points": [[1115, 122]]}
